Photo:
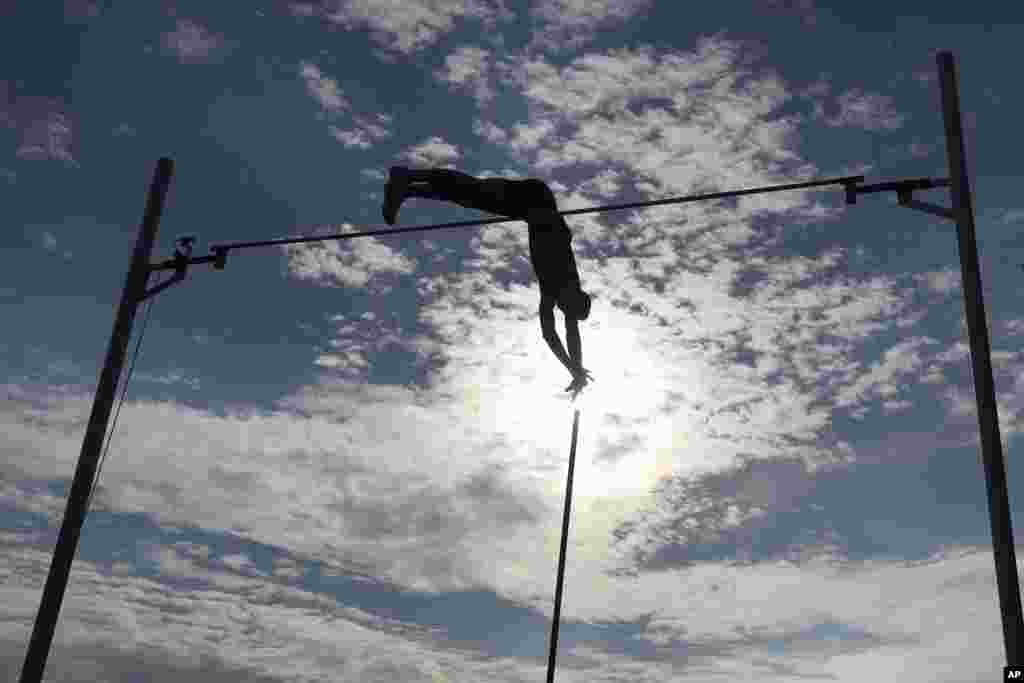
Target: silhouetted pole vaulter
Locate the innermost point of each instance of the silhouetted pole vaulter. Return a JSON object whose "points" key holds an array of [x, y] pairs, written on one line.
{"points": [[550, 239], [566, 514], [529, 200], [74, 513]]}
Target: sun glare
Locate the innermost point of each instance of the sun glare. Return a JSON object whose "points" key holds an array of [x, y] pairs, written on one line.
{"points": [[627, 381], [620, 410]]}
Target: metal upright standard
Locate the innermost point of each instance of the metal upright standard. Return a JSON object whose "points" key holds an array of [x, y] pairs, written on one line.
{"points": [[984, 387], [981, 364], [981, 361], [557, 616], [96, 431]]}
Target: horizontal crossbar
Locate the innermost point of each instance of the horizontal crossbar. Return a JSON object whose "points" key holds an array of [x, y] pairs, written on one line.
{"points": [[220, 251], [505, 219]]}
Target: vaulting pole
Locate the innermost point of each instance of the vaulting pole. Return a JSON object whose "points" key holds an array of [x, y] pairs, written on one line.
{"points": [[561, 553], [96, 431], [981, 365]]}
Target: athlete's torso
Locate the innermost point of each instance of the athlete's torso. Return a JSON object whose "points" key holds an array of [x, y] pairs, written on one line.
{"points": [[551, 255], [550, 242]]}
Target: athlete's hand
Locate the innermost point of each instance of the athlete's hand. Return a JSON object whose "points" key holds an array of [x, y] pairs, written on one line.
{"points": [[581, 374], [580, 379], [575, 388]]}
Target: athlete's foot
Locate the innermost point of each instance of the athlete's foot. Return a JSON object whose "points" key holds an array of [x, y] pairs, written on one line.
{"points": [[394, 192]]}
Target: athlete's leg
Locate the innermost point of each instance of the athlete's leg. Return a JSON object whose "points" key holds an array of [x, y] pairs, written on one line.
{"points": [[482, 194], [512, 198]]}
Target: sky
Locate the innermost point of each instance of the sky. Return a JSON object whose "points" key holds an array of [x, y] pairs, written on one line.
{"points": [[346, 460]]}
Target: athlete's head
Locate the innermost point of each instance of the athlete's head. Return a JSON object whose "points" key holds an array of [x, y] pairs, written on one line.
{"points": [[575, 302]]}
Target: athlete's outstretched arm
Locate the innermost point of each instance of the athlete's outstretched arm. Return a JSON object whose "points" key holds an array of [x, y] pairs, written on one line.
{"points": [[572, 340], [547, 326], [580, 376]]}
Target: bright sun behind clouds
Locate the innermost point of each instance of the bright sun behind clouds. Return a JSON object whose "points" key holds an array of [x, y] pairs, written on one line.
{"points": [[626, 396]]}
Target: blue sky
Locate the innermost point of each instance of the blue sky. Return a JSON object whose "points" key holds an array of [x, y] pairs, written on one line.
{"points": [[346, 460]]}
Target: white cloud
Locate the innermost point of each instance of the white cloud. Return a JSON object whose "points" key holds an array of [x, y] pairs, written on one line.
{"points": [[193, 550], [174, 376], [350, 138], [238, 562], [349, 263], [944, 282], [900, 360], [375, 128], [605, 185], [625, 108], [286, 568], [866, 110], [327, 93], [323, 89], [819, 88], [237, 624], [468, 67], [406, 27], [939, 615], [433, 152], [170, 562], [50, 136], [191, 42], [32, 498], [568, 24], [466, 64], [489, 131], [361, 136]]}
